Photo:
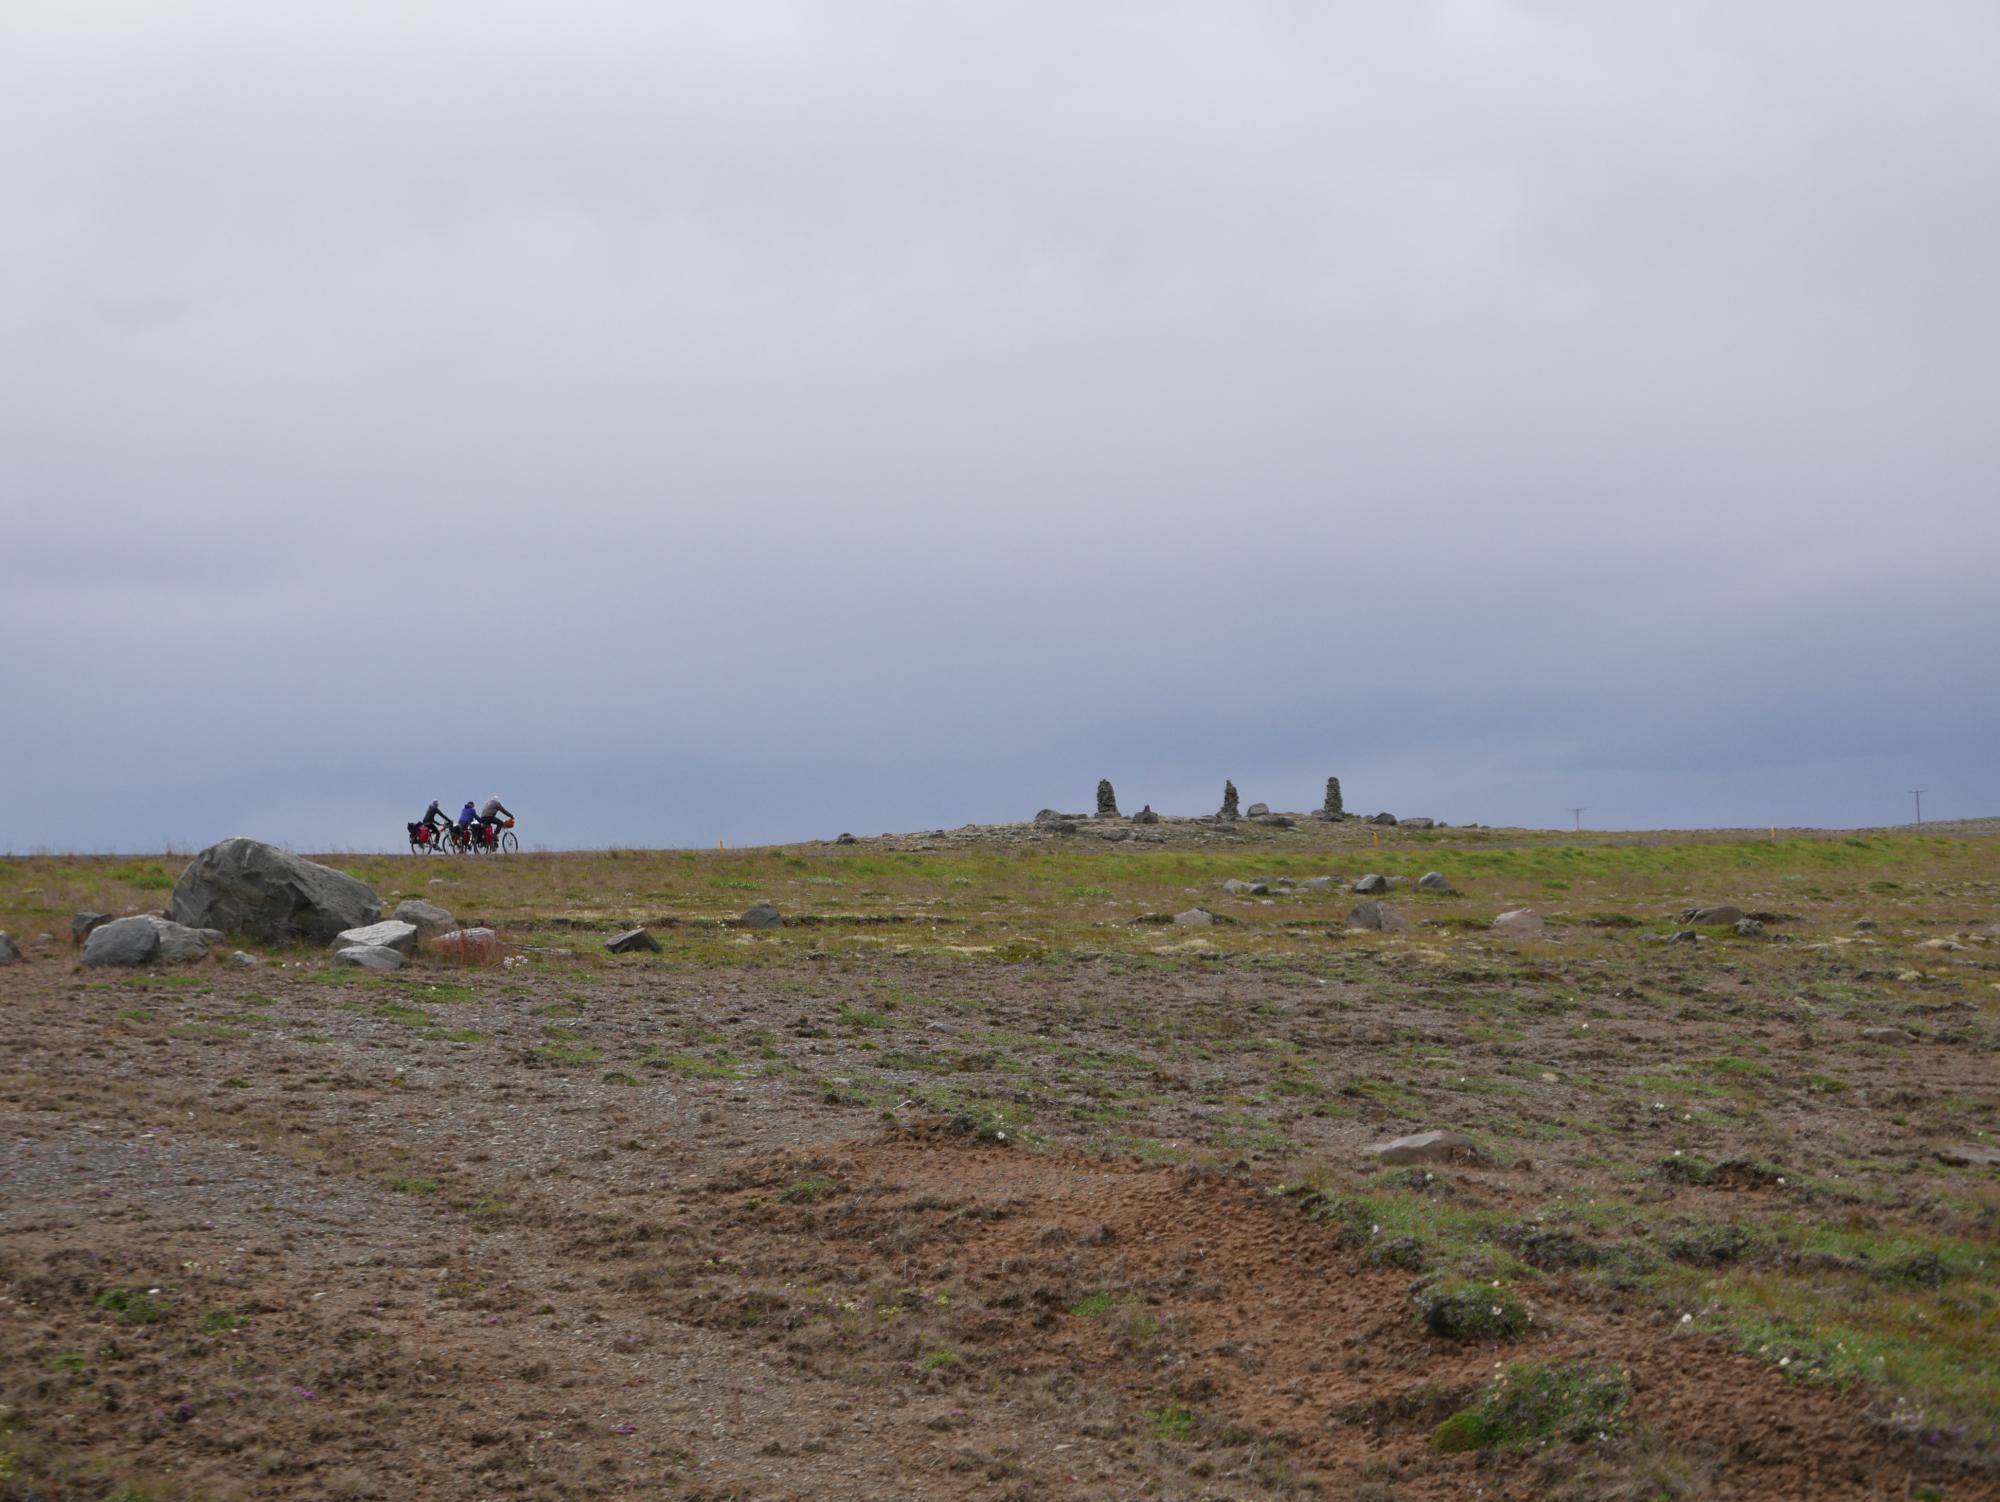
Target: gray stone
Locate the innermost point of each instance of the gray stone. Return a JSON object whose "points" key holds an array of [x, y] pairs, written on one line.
{"points": [[1970, 1155], [179, 942], [1331, 809], [1433, 881], [81, 925], [1371, 884], [1317, 884], [390, 933], [1229, 809], [1236, 887], [1378, 916], [247, 887], [1749, 928], [1522, 922], [1685, 936], [1258, 810], [847, 839], [122, 941], [244, 960], [632, 941], [1146, 816], [428, 917], [762, 915], [1383, 819], [1706, 917], [1195, 917], [1107, 800], [1420, 824], [1277, 821], [1114, 835], [1055, 826], [466, 946], [1866, 925], [10, 952], [1888, 1035], [368, 957], [1426, 1147]]}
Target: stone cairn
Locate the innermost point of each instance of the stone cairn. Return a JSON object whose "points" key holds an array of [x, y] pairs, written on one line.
{"points": [[1332, 808], [1229, 808], [1107, 801]]}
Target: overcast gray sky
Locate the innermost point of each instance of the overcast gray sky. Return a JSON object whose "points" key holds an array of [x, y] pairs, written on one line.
{"points": [[752, 421]]}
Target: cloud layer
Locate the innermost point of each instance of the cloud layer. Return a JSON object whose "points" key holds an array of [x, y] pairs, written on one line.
{"points": [[753, 421]]}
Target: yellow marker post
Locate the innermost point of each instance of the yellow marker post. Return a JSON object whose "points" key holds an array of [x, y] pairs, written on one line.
{"points": [[720, 846]]}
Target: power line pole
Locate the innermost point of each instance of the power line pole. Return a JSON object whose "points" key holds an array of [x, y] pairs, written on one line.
{"points": [[1579, 819], [1918, 794]]}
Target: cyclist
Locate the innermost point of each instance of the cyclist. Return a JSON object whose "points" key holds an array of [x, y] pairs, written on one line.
{"points": [[490, 814], [434, 820], [467, 817]]}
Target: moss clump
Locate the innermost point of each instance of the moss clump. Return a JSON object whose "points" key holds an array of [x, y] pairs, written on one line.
{"points": [[1686, 1168], [1536, 1403], [131, 1306], [1472, 1311]]}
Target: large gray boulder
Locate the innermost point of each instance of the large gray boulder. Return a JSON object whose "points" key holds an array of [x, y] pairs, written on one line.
{"points": [[1380, 917], [1195, 917], [10, 952], [1707, 917], [179, 942], [1369, 885], [428, 917], [1420, 824], [632, 941], [761, 915], [247, 887], [369, 957], [123, 941], [390, 933], [1433, 881]]}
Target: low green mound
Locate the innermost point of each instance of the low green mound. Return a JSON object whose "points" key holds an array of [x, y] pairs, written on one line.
{"points": [[1535, 1403], [1472, 1311]]}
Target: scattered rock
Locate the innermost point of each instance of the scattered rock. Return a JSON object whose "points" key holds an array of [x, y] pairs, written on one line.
{"points": [[1229, 809], [391, 933], [1331, 809], [1748, 928], [1380, 917], [1970, 1155], [81, 925], [1277, 821], [761, 916], [1711, 917], [1316, 884], [632, 941], [1433, 881], [247, 887], [1888, 1035], [1114, 835], [1056, 825], [1948, 945], [10, 952], [1685, 936], [368, 957], [178, 942], [1865, 925], [1420, 824], [847, 839], [1146, 816], [1384, 818], [428, 917], [1258, 810], [1370, 884], [1107, 800], [467, 946], [1195, 917], [122, 941], [1523, 922], [244, 960], [1427, 1147]]}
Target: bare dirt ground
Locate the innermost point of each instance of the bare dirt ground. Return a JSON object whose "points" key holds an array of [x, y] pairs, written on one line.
{"points": [[827, 1223]]}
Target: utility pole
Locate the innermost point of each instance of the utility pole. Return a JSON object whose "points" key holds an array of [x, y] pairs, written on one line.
{"points": [[1579, 819], [1918, 794]]}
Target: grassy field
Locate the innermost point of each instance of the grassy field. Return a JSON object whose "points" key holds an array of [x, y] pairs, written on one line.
{"points": [[1703, 1157]]}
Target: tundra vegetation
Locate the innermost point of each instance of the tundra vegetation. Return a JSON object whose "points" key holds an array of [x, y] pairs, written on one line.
{"points": [[983, 1177]]}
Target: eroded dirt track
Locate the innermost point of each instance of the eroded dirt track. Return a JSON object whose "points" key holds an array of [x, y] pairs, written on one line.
{"points": [[344, 1262]]}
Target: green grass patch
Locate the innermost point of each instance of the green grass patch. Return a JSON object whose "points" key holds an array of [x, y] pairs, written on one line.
{"points": [[1533, 1404]]}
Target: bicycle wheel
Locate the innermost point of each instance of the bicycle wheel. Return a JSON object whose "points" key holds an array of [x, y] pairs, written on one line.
{"points": [[508, 844]]}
